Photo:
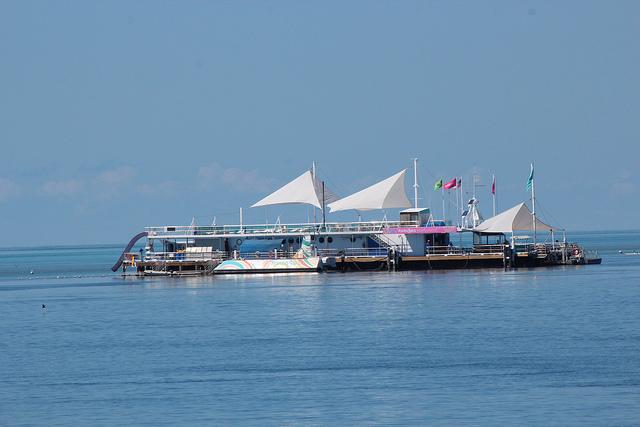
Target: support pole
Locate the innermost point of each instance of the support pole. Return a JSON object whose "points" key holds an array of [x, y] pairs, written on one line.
{"points": [[461, 201], [323, 208], [458, 204], [533, 203], [415, 182], [313, 173]]}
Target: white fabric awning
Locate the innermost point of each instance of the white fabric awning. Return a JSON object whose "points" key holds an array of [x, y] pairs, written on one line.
{"points": [[305, 189], [386, 194], [518, 218]]}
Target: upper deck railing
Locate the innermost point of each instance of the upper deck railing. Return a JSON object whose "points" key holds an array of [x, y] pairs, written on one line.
{"points": [[295, 228]]}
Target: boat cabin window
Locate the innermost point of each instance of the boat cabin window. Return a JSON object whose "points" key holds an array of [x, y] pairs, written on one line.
{"points": [[437, 239]]}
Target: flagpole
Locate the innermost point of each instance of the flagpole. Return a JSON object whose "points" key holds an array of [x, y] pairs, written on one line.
{"points": [[313, 173], [415, 182], [460, 207], [324, 222], [493, 193], [461, 201], [458, 203], [533, 203], [444, 212]]}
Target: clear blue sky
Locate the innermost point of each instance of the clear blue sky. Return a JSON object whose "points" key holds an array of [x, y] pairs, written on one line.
{"points": [[120, 114]]}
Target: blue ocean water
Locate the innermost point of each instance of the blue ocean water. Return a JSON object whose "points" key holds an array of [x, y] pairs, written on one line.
{"points": [[555, 346]]}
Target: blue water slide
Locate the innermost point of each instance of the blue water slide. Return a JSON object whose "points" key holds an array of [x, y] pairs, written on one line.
{"points": [[130, 245]]}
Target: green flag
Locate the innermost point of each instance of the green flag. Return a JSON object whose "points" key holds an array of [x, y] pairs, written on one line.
{"points": [[438, 184], [530, 180]]}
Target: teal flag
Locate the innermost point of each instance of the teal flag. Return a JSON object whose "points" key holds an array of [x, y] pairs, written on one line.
{"points": [[530, 180]]}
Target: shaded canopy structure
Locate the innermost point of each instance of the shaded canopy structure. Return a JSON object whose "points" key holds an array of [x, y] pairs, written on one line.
{"points": [[388, 193], [305, 189], [518, 218]]}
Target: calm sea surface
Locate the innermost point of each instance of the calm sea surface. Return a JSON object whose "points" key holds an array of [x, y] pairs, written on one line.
{"points": [[557, 346]]}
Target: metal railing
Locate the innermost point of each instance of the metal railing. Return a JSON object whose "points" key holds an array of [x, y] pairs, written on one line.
{"points": [[215, 255], [447, 250], [488, 249], [460, 250], [131, 257], [275, 254], [185, 256], [591, 254], [299, 228], [353, 252]]}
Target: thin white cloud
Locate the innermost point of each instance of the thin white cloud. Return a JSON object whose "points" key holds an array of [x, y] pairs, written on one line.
{"points": [[113, 182], [8, 189], [624, 184], [117, 176], [69, 187], [624, 188], [214, 175], [164, 188]]}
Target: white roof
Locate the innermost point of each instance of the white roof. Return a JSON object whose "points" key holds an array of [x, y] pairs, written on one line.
{"points": [[304, 189], [415, 210], [388, 193], [518, 218]]}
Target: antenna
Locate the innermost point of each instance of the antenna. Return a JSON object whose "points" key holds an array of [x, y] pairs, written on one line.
{"points": [[415, 182], [533, 203]]}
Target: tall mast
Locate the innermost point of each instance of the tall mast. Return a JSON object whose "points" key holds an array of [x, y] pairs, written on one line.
{"points": [[533, 203], [323, 207], [460, 208], [313, 174], [415, 182]]}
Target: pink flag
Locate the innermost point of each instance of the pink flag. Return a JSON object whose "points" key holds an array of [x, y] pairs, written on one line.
{"points": [[451, 184]]}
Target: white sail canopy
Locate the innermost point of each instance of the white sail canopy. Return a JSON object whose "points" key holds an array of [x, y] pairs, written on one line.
{"points": [[305, 189], [518, 218], [388, 193]]}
